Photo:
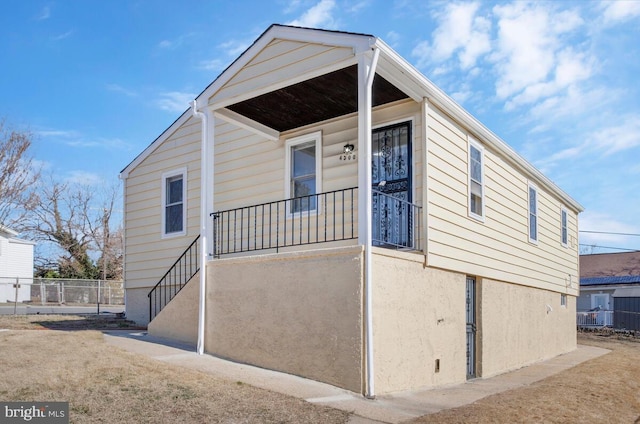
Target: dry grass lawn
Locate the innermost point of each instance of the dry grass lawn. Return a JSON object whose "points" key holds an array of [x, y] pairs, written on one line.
{"points": [[603, 390], [105, 384]]}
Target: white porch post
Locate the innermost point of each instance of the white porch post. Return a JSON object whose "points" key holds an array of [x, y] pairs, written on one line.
{"points": [[366, 72]]}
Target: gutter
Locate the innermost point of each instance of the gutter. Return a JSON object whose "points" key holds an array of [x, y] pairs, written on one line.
{"points": [[203, 225]]}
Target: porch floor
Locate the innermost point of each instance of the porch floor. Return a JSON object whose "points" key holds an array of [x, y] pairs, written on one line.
{"points": [[392, 408]]}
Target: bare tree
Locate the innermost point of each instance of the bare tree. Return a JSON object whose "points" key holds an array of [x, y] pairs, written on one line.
{"points": [[76, 220], [17, 175], [110, 242]]}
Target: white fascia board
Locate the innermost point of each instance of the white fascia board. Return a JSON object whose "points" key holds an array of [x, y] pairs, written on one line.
{"points": [[124, 174], [358, 42], [22, 241], [248, 124], [8, 231], [355, 41], [449, 106]]}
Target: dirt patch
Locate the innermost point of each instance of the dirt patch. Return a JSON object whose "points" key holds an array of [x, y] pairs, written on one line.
{"points": [[105, 384], [604, 390]]}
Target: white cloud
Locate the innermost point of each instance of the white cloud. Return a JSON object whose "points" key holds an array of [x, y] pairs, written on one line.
{"points": [[62, 36], [105, 143], [593, 145], [173, 44], [617, 138], [84, 178], [318, 16], [292, 6], [175, 101], [358, 6], [211, 65], [58, 133], [461, 32], [74, 138], [527, 46], [235, 48], [573, 102], [392, 38], [603, 222], [119, 89], [44, 14], [619, 11]]}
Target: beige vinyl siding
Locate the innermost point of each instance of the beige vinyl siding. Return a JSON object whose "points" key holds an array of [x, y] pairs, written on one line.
{"points": [[278, 61], [148, 254], [250, 170], [497, 248]]}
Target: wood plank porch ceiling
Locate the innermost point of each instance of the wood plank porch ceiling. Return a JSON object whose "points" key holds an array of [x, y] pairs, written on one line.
{"points": [[325, 97]]}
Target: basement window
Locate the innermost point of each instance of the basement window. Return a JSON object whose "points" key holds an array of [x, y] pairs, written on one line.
{"points": [[563, 300]]}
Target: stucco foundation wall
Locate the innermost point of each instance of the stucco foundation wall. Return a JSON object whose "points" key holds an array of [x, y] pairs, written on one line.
{"points": [[137, 305], [418, 317], [178, 320], [519, 325], [300, 313]]}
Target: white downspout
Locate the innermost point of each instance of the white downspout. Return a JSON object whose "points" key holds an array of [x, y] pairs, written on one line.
{"points": [[367, 74], [203, 225]]}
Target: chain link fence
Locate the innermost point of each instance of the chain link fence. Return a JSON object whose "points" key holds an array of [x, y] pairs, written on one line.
{"points": [[59, 291]]}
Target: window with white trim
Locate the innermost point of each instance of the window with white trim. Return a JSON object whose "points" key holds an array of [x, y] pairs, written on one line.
{"points": [[303, 173], [476, 180], [564, 231], [174, 189], [533, 213], [563, 300]]}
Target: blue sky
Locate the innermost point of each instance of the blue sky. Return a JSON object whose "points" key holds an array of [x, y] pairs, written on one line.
{"points": [[98, 81]]}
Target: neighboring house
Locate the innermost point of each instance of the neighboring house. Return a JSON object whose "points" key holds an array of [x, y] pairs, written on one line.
{"points": [[16, 264], [351, 223], [603, 278]]}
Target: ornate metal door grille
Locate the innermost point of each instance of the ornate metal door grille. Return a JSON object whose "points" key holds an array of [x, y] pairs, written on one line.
{"points": [[471, 327], [391, 178]]}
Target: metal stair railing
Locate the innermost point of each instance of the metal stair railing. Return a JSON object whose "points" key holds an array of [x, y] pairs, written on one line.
{"points": [[178, 275]]}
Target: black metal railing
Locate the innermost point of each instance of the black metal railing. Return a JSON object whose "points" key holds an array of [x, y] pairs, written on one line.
{"points": [[316, 218], [396, 222], [175, 279]]}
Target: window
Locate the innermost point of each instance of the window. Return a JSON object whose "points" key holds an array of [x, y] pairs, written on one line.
{"points": [[563, 227], [600, 301], [563, 300], [174, 203], [303, 178], [533, 213], [476, 180]]}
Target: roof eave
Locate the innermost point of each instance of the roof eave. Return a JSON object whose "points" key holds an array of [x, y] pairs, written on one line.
{"points": [[449, 106]]}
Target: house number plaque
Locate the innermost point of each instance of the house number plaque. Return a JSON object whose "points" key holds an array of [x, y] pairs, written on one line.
{"points": [[348, 156]]}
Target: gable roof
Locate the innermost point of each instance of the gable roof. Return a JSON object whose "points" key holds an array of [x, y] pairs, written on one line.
{"points": [[396, 78]]}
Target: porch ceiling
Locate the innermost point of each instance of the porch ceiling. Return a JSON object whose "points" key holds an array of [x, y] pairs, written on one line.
{"points": [[318, 99]]}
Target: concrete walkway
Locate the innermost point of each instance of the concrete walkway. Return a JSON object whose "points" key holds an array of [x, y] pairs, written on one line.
{"points": [[387, 409]]}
